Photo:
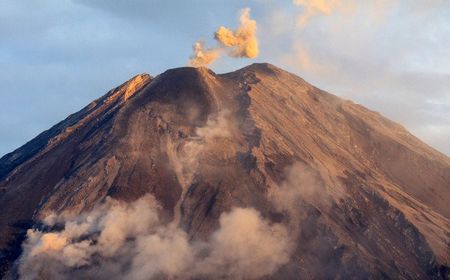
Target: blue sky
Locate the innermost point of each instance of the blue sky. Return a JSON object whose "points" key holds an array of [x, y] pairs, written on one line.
{"points": [[391, 56]]}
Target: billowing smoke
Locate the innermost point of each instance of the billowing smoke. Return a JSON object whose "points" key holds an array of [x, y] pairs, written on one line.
{"points": [[185, 156], [120, 240], [245, 247], [241, 42], [203, 56], [218, 128], [100, 233], [314, 7], [301, 185]]}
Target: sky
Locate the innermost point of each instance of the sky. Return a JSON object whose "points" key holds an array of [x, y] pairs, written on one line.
{"points": [[392, 56]]}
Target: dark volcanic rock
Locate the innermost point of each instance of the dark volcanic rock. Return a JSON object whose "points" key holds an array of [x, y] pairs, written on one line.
{"points": [[202, 143]]}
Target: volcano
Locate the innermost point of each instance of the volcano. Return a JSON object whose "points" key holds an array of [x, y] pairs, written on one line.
{"points": [[357, 195]]}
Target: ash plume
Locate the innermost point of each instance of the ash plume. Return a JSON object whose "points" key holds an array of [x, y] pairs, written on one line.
{"points": [[241, 42], [203, 56]]}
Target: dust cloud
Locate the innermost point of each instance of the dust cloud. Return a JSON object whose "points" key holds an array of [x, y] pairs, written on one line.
{"points": [[119, 240]]}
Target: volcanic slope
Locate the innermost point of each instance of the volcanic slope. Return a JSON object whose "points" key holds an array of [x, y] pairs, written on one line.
{"points": [[364, 198]]}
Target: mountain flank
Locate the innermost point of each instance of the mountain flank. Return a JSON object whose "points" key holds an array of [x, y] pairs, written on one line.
{"points": [[360, 196]]}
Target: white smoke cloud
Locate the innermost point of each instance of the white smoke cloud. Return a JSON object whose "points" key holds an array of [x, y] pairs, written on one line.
{"points": [[103, 231], [168, 253], [241, 42], [246, 247], [301, 185], [185, 156], [218, 126], [203, 56], [120, 240]]}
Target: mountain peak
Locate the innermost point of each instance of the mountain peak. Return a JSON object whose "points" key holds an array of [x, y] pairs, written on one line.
{"points": [[357, 197], [263, 67], [187, 71]]}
